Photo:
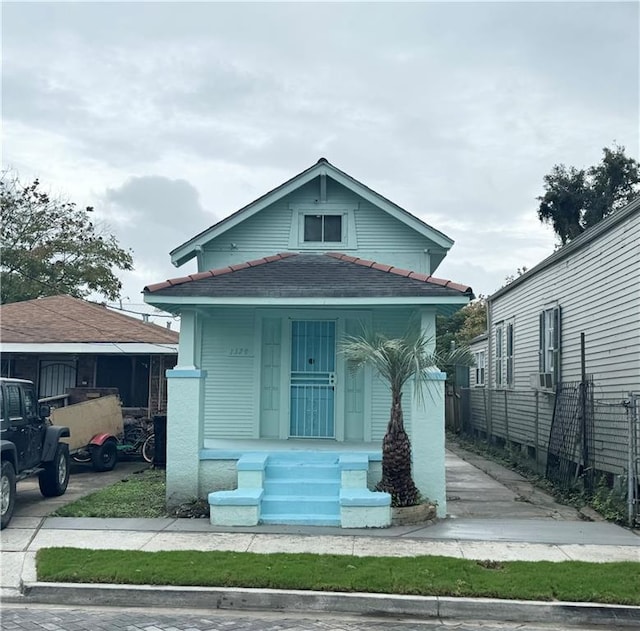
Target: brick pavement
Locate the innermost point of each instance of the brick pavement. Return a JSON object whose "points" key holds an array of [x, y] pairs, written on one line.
{"points": [[57, 618]]}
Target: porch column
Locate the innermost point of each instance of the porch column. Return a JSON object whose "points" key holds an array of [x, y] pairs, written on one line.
{"points": [[427, 442], [185, 415], [427, 428]]}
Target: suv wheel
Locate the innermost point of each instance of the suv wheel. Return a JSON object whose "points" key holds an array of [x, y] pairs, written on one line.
{"points": [[7, 492], [55, 477]]}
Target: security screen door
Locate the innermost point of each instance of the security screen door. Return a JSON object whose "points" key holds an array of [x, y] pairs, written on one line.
{"points": [[313, 360]]}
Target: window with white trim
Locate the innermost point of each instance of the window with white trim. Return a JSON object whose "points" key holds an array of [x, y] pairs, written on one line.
{"points": [[550, 343], [499, 354], [481, 364], [509, 354], [322, 229]]}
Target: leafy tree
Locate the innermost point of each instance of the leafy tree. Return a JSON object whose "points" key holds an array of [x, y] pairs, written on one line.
{"points": [[50, 247], [511, 277], [576, 199], [398, 360], [461, 327]]}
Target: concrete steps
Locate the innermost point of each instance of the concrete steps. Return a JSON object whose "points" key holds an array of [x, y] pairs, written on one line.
{"points": [[301, 489]]}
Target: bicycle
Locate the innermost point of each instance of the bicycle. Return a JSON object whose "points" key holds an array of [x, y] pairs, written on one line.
{"points": [[138, 440]]}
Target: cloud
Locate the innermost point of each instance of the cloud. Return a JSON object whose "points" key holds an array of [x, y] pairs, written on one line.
{"points": [[160, 198], [455, 111], [151, 215]]}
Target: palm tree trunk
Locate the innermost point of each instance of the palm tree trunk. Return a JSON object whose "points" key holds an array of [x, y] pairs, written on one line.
{"points": [[396, 459]]}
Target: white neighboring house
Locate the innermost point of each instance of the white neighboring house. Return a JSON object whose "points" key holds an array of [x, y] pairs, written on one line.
{"points": [[589, 287]]}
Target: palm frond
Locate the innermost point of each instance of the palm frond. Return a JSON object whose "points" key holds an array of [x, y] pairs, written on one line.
{"points": [[398, 360]]}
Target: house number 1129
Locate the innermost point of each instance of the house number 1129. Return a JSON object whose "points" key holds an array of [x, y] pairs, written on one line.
{"points": [[239, 351]]}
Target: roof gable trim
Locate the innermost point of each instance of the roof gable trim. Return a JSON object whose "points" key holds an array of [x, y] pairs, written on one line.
{"points": [[189, 249]]}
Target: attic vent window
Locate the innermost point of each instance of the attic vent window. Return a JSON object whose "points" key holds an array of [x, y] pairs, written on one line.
{"points": [[323, 228]]}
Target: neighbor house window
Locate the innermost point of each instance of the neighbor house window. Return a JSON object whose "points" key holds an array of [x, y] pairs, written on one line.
{"points": [[323, 228], [550, 343], [499, 354], [509, 349], [481, 363]]}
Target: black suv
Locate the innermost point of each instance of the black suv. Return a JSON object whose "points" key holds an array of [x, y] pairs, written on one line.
{"points": [[29, 445]]}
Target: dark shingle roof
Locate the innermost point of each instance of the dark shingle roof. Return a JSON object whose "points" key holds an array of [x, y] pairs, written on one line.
{"points": [[290, 275]]}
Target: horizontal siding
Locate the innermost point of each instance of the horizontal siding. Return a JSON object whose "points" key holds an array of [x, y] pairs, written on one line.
{"points": [[392, 323], [524, 417], [478, 410], [229, 410], [384, 239], [263, 234], [379, 236], [598, 288]]}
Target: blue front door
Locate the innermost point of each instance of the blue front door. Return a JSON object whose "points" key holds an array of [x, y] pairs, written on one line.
{"points": [[313, 364]]}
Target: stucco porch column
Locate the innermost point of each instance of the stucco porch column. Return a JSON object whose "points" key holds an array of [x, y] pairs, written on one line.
{"points": [[427, 441], [185, 415], [184, 433], [427, 427]]}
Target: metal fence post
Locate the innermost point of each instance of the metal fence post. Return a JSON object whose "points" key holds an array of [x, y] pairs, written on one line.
{"points": [[536, 428], [506, 417], [633, 457]]}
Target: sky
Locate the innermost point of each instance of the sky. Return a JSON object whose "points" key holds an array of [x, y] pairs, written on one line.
{"points": [[167, 117]]}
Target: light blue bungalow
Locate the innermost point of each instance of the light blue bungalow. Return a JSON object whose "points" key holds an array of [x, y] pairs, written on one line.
{"points": [[264, 416]]}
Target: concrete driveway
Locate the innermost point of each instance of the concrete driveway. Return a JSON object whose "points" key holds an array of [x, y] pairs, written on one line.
{"points": [[31, 507], [479, 488]]}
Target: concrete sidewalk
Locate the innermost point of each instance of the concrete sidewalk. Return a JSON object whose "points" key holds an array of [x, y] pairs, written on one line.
{"points": [[490, 519]]}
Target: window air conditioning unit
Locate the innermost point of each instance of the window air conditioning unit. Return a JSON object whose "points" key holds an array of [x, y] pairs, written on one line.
{"points": [[541, 380], [545, 380]]}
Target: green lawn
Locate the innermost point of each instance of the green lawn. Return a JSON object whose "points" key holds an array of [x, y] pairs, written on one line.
{"points": [[141, 495], [428, 576]]}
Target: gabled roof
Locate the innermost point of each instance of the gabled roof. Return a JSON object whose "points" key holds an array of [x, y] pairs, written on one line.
{"points": [[63, 319], [588, 236], [291, 275], [188, 250]]}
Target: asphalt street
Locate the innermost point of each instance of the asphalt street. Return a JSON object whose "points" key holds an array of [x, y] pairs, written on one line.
{"points": [[59, 618]]}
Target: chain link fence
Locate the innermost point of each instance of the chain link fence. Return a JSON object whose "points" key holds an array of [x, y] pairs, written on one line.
{"points": [[575, 436]]}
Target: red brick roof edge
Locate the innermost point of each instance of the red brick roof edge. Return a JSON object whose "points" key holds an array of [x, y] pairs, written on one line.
{"points": [[401, 272], [336, 255], [217, 272]]}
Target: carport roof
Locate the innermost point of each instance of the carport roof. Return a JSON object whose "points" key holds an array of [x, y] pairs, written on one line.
{"points": [[292, 275]]}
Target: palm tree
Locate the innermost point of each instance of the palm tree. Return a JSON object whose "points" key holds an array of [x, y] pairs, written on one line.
{"points": [[398, 360]]}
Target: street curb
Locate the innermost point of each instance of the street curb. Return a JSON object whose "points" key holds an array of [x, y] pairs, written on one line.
{"points": [[443, 608]]}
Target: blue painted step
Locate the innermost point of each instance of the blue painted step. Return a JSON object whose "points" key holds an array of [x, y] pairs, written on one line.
{"points": [[302, 470], [302, 488], [302, 520], [300, 505]]}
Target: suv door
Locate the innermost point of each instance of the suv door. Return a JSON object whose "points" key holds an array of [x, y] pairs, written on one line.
{"points": [[36, 426], [18, 430]]}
